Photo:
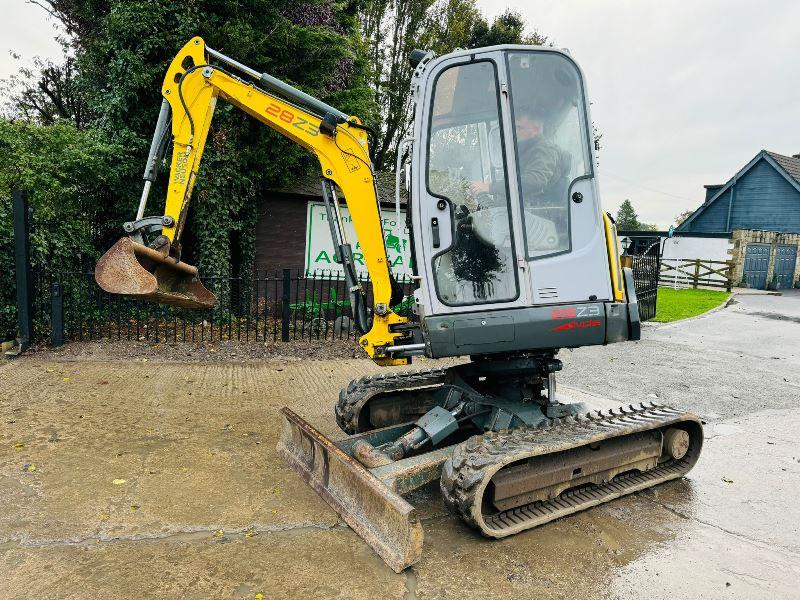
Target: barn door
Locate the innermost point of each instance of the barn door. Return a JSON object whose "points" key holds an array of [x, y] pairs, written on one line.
{"points": [[756, 265], [785, 260]]}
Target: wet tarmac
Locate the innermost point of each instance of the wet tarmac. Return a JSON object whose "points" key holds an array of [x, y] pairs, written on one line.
{"points": [[160, 479]]}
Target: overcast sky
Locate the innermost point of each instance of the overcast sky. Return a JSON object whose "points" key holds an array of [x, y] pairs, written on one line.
{"points": [[25, 30], [685, 93]]}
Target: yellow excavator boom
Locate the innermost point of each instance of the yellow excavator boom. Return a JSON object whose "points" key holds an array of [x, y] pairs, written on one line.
{"points": [[192, 87]]}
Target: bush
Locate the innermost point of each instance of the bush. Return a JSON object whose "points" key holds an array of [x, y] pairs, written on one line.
{"points": [[71, 177]]}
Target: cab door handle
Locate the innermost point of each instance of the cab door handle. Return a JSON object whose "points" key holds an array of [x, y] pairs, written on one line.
{"points": [[435, 232]]}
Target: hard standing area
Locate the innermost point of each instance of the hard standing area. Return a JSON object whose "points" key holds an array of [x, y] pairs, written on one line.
{"points": [[131, 478]]}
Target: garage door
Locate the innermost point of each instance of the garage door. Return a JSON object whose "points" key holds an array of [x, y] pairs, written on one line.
{"points": [[785, 260], [756, 264]]}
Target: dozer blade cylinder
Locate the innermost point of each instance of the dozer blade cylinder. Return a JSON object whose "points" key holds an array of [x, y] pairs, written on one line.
{"points": [[384, 520], [132, 269]]}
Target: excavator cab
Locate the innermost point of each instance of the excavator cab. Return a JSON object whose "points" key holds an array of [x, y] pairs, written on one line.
{"points": [[506, 215]]}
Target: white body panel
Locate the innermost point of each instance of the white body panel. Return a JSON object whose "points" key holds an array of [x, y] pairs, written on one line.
{"points": [[580, 274]]}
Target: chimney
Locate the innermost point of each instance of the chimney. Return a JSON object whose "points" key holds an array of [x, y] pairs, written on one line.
{"points": [[711, 190]]}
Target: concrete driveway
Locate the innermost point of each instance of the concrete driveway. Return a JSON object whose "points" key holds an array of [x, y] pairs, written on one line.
{"points": [[160, 479]]}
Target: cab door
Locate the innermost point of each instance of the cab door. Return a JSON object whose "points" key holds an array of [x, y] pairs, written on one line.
{"points": [[563, 236], [467, 220]]}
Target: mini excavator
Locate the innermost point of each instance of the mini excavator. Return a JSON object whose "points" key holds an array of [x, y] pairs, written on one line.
{"points": [[514, 260]]}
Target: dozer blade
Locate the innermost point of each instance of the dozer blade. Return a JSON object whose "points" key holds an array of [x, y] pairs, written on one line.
{"points": [[384, 520], [132, 269]]}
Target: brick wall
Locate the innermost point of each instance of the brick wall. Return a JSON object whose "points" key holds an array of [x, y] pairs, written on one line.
{"points": [[741, 237], [281, 232]]}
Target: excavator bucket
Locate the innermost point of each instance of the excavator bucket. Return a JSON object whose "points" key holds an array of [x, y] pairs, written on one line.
{"points": [[368, 500], [132, 269]]}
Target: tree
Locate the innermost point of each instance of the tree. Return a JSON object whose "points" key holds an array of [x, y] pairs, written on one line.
{"points": [[393, 28], [507, 28], [45, 94], [450, 24], [68, 173], [683, 216], [628, 220]]}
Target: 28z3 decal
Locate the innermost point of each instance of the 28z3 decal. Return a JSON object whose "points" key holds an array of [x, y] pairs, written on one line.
{"points": [[287, 116], [575, 312]]}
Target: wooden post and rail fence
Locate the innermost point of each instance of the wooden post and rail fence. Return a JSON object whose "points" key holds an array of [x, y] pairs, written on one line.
{"points": [[696, 272]]}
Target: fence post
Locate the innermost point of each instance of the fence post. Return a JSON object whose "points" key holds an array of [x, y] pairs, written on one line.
{"points": [[24, 271], [696, 273], [57, 315], [729, 281], [287, 286]]}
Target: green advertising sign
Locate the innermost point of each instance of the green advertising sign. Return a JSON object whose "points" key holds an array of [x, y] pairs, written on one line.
{"points": [[320, 255]]}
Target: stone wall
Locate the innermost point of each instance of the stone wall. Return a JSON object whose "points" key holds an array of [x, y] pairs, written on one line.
{"points": [[741, 237]]}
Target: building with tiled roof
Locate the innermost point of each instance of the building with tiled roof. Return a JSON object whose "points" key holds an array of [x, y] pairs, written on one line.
{"points": [[758, 209]]}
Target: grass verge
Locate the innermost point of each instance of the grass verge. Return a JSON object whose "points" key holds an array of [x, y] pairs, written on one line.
{"points": [[674, 305]]}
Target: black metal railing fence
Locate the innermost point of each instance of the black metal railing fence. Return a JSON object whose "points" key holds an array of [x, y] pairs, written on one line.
{"points": [[278, 305], [290, 304], [284, 304]]}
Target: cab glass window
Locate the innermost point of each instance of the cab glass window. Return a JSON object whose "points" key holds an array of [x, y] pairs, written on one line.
{"points": [[550, 137], [466, 166]]}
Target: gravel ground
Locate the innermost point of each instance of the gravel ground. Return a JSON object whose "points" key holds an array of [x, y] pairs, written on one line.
{"points": [[124, 478]]}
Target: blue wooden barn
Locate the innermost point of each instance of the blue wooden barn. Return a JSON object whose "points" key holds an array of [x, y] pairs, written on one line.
{"points": [[759, 208]]}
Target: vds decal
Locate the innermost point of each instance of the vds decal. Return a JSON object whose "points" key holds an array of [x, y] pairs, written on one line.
{"points": [[578, 325]]}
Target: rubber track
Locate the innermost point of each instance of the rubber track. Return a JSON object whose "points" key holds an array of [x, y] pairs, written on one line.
{"points": [[474, 462], [360, 391]]}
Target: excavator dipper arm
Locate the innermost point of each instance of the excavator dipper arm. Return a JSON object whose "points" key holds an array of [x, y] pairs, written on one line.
{"points": [[192, 87]]}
